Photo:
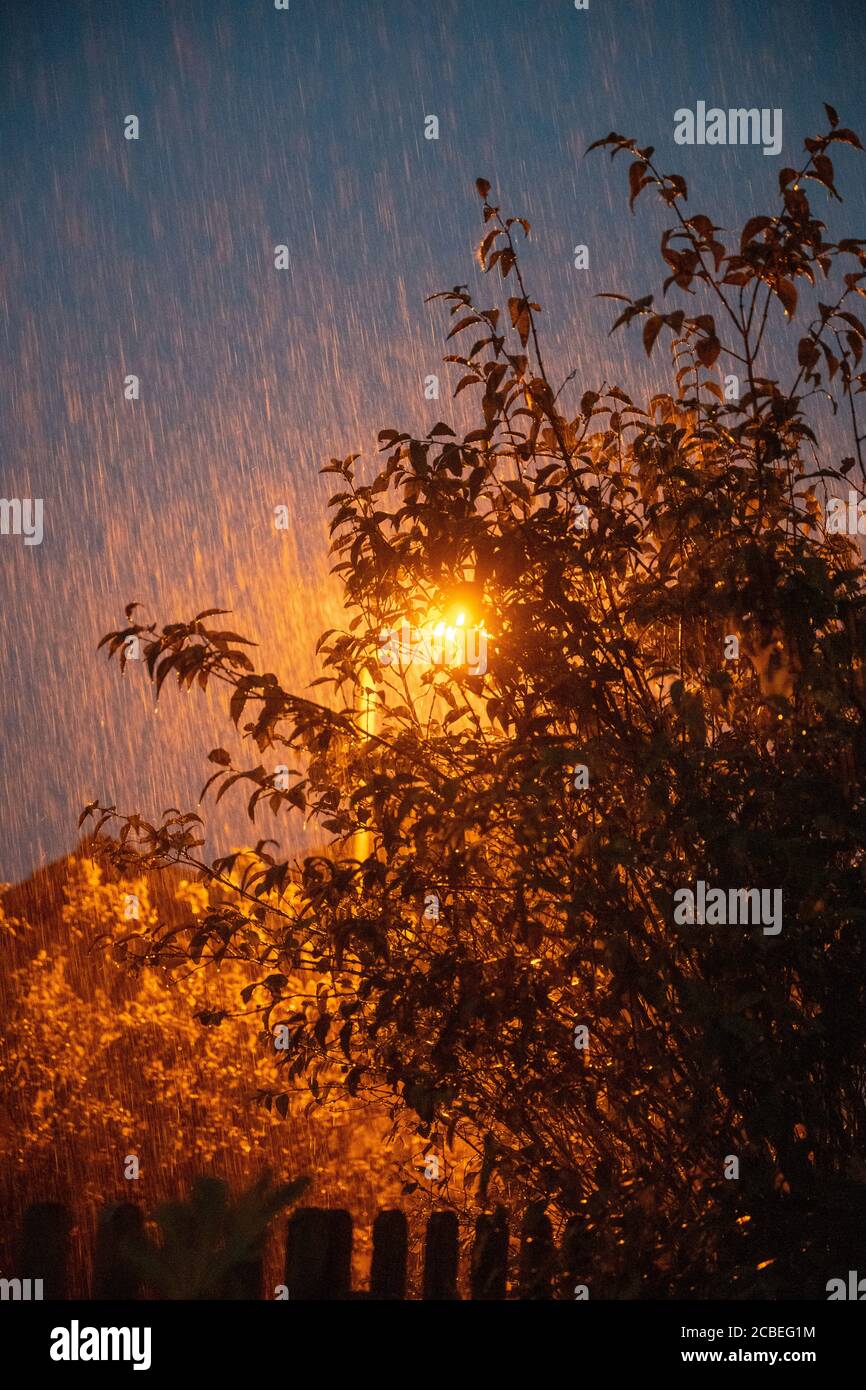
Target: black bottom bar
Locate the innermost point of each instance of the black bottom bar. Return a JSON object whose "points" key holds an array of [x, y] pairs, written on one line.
{"points": [[198, 1339]]}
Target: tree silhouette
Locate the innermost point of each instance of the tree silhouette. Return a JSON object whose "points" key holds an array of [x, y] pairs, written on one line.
{"points": [[672, 692]]}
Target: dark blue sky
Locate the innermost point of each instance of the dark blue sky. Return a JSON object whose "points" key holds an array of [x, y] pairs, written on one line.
{"points": [[156, 257]]}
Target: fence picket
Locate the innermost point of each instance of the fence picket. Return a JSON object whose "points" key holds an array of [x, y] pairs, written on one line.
{"points": [[113, 1275], [537, 1256], [440, 1256], [489, 1265], [319, 1254], [45, 1248], [390, 1252]]}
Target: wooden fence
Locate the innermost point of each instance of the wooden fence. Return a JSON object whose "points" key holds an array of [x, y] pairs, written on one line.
{"points": [[318, 1256]]}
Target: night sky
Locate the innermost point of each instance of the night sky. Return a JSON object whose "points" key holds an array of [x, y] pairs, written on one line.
{"points": [[155, 257]]}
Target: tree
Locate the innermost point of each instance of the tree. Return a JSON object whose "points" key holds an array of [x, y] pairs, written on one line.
{"points": [[667, 691]]}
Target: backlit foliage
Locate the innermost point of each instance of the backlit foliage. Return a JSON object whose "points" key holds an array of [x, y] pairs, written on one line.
{"points": [[100, 1061], [609, 546]]}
